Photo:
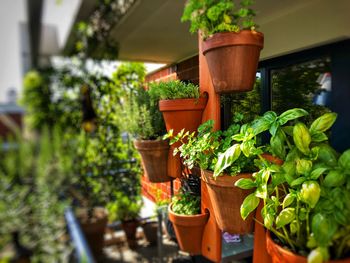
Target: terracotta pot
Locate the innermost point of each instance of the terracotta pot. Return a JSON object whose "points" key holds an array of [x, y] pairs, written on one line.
{"points": [[181, 114], [150, 229], [154, 157], [188, 230], [94, 229], [130, 228], [232, 59], [281, 255], [226, 200]]}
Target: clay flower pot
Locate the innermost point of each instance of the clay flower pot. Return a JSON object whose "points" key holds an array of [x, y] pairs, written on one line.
{"points": [[233, 59], [150, 230], [130, 228], [188, 230], [226, 200], [94, 228], [281, 255], [181, 114], [154, 157]]}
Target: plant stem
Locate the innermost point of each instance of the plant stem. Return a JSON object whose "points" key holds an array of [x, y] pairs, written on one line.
{"points": [[288, 239], [298, 224], [307, 223], [341, 247]]}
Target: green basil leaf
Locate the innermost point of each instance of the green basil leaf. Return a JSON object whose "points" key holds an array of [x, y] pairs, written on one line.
{"points": [[323, 229], [323, 123], [318, 137], [277, 145], [286, 216], [288, 200], [298, 181], [304, 166], [302, 138], [334, 178], [268, 220], [310, 193], [244, 183], [226, 159], [327, 155], [274, 127], [293, 226], [315, 256], [250, 203], [316, 173], [344, 160], [291, 114]]}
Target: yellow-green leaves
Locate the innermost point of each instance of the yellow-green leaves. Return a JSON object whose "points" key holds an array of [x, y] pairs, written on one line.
{"points": [[344, 160], [286, 216], [334, 178], [302, 138], [291, 115], [304, 166], [226, 159], [323, 123], [249, 204], [244, 183], [310, 193]]}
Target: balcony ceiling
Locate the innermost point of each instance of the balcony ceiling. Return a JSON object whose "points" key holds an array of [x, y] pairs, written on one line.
{"points": [[151, 31]]}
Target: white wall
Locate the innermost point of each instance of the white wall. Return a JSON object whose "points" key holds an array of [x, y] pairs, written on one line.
{"points": [[12, 13]]}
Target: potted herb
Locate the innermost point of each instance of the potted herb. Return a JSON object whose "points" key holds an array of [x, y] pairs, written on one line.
{"points": [[126, 209], [185, 213], [306, 201], [182, 108], [226, 157], [230, 43]]}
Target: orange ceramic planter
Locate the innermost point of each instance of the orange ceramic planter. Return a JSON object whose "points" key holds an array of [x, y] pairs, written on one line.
{"points": [[226, 200], [188, 230], [154, 157], [233, 59], [181, 114], [282, 255]]}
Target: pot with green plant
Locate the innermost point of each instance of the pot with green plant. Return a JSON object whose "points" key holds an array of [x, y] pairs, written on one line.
{"points": [[126, 208], [188, 221], [306, 201], [227, 157], [182, 108], [230, 43]]}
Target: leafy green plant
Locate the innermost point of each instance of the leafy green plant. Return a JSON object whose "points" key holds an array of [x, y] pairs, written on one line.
{"points": [[174, 89], [186, 204], [306, 200], [214, 16], [124, 207], [203, 148]]}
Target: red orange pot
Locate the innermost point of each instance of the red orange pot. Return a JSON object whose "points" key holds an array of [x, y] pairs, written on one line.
{"points": [[188, 230], [233, 59], [226, 200]]}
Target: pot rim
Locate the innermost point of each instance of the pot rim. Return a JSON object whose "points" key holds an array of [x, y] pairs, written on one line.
{"points": [[224, 180], [187, 220], [194, 104]]}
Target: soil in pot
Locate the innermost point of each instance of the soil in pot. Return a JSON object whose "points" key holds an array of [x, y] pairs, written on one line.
{"points": [[130, 228], [226, 200], [154, 156], [150, 230], [189, 230], [94, 227], [233, 59]]}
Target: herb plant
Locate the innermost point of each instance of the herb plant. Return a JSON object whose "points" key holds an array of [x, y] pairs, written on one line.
{"points": [[306, 200], [186, 204], [174, 89], [214, 16], [124, 207]]}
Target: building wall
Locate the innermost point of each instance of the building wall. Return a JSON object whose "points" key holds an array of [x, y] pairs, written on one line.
{"points": [[186, 70]]}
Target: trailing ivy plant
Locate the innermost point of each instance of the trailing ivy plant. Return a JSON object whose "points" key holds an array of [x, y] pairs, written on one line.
{"points": [[214, 16], [306, 200], [174, 89]]}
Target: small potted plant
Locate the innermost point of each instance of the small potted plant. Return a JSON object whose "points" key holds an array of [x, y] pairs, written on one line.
{"points": [[185, 213], [306, 202], [126, 209], [226, 157], [182, 108], [230, 43]]}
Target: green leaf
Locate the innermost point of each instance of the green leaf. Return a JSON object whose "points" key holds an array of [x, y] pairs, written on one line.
{"points": [[315, 174], [334, 178], [304, 166], [323, 229], [274, 127], [244, 183], [288, 200], [318, 137], [344, 160], [286, 216], [323, 123], [277, 144], [315, 256], [249, 204], [268, 220], [302, 138], [310, 193], [298, 181], [291, 114], [226, 159]]}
